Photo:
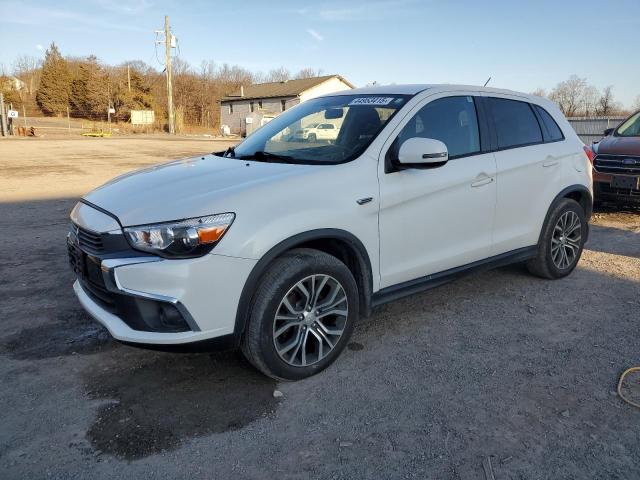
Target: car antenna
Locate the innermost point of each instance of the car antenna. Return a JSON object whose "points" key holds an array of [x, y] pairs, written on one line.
{"points": [[488, 80]]}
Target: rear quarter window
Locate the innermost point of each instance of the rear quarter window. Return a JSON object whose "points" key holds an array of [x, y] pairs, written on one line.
{"points": [[553, 131], [515, 123]]}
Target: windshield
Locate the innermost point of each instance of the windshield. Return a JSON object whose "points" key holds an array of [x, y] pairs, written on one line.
{"points": [[630, 128], [324, 130]]}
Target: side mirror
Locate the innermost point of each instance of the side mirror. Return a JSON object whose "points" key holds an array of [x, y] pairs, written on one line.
{"points": [[333, 113], [608, 131], [422, 151]]}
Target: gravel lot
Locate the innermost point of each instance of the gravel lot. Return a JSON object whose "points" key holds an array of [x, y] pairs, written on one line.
{"points": [[498, 367]]}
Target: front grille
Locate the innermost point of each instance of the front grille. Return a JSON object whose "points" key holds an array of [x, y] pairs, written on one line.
{"points": [[91, 240], [100, 294], [617, 164], [88, 240]]}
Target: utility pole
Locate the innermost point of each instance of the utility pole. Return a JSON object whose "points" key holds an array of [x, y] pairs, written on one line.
{"points": [[168, 41], [128, 78]]}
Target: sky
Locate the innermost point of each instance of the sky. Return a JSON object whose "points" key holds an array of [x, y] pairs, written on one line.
{"points": [[522, 45]]}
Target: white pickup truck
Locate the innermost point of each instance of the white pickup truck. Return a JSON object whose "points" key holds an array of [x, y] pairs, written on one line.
{"points": [[325, 132]]}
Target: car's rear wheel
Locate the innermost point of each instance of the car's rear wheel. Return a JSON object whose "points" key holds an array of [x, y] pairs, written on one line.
{"points": [[312, 138], [561, 241], [302, 315]]}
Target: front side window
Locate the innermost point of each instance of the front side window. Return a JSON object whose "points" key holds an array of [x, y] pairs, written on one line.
{"points": [[351, 123], [630, 128], [452, 120], [516, 124]]}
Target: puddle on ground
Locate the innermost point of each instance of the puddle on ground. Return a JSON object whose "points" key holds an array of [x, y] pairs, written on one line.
{"points": [[75, 334], [162, 399]]}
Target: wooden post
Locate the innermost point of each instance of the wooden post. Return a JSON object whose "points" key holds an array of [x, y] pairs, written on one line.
{"points": [[68, 121], [24, 115], [3, 118], [10, 121]]}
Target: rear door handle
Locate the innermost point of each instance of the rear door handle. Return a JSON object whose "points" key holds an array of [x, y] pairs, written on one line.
{"points": [[482, 181]]}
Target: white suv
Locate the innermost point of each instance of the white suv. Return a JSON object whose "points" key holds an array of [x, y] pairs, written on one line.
{"points": [[278, 246]]}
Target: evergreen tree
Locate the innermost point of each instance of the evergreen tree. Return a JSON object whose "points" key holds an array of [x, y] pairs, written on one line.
{"points": [[55, 84], [139, 98], [90, 90]]}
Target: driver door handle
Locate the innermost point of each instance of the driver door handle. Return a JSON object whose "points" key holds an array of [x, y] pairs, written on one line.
{"points": [[482, 181]]}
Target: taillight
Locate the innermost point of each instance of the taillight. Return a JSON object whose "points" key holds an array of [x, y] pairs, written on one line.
{"points": [[589, 152]]}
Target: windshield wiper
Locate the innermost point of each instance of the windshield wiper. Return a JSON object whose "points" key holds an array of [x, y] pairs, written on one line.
{"points": [[262, 156]]}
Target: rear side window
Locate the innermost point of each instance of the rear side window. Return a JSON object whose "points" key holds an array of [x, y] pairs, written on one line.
{"points": [[452, 120], [516, 124], [553, 131]]}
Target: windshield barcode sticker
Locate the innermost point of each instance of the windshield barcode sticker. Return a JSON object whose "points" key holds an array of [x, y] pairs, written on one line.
{"points": [[371, 101]]}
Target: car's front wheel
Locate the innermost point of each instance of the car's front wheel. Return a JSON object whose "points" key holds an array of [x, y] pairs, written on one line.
{"points": [[561, 241], [302, 315]]}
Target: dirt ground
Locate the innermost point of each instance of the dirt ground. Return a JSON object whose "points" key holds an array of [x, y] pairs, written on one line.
{"points": [[498, 367]]}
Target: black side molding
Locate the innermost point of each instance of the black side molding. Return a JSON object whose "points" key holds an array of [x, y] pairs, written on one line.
{"points": [[396, 292]]}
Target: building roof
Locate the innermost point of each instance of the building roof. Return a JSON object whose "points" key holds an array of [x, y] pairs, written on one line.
{"points": [[288, 88]]}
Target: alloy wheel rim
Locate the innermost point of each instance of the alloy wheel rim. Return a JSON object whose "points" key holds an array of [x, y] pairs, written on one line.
{"points": [[565, 241], [310, 320]]}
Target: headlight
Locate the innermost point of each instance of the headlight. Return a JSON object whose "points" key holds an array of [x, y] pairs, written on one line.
{"points": [[182, 239]]}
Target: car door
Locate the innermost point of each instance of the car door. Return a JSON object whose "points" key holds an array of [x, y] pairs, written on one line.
{"points": [[529, 172], [437, 218]]}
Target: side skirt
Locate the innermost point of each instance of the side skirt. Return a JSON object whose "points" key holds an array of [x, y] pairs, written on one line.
{"points": [[401, 290]]}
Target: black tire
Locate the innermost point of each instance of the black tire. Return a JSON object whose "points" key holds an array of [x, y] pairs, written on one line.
{"points": [[543, 264], [258, 344], [312, 138]]}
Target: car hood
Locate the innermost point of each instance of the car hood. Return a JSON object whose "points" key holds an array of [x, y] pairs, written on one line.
{"points": [[619, 146], [185, 188]]}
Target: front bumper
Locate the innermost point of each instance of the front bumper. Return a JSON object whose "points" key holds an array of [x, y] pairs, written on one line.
{"points": [[605, 192], [203, 291]]}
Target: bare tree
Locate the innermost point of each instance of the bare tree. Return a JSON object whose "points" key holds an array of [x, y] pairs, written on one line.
{"points": [[568, 95], [605, 102], [590, 99], [308, 73], [278, 75], [637, 103], [540, 92], [27, 69]]}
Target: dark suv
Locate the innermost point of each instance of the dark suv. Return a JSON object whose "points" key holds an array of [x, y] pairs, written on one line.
{"points": [[616, 166]]}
